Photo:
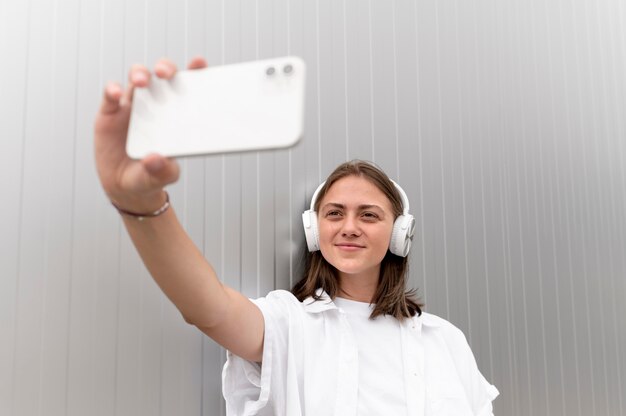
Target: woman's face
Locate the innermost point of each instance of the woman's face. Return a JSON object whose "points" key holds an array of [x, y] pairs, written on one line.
{"points": [[355, 221]]}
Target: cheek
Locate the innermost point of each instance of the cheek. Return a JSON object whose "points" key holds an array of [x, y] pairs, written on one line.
{"points": [[384, 239], [382, 244], [326, 230], [384, 233]]}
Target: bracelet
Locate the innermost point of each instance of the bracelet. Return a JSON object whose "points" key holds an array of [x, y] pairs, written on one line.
{"points": [[141, 217]]}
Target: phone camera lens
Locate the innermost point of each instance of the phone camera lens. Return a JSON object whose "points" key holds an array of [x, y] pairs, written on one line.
{"points": [[288, 69], [270, 71]]}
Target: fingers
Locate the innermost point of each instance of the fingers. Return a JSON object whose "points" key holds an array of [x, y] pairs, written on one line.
{"points": [[165, 69], [138, 76], [111, 98], [197, 62]]}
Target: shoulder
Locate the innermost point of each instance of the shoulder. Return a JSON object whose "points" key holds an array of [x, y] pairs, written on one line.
{"points": [[286, 299], [445, 327], [448, 344], [282, 296], [278, 300], [447, 333]]}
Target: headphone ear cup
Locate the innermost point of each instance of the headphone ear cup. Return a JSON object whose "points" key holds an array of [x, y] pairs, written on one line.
{"points": [[309, 220], [402, 235]]}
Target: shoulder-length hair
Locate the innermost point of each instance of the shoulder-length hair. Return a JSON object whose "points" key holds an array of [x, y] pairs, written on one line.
{"points": [[391, 297]]}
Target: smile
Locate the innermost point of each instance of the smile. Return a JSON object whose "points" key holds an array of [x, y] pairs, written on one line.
{"points": [[349, 246]]}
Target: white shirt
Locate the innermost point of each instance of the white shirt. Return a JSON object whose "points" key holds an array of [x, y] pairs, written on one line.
{"points": [[310, 365], [381, 367]]}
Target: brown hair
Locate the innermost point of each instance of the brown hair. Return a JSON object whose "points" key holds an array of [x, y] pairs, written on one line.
{"points": [[391, 297]]}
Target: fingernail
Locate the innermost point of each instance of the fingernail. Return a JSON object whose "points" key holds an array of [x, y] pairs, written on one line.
{"points": [[139, 77], [161, 69]]}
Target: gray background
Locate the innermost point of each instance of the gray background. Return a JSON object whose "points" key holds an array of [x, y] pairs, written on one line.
{"points": [[503, 121]]}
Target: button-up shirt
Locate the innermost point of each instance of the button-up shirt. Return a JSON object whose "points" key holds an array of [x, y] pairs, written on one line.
{"points": [[310, 365]]}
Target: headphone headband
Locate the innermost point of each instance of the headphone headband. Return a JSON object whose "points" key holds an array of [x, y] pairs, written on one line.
{"points": [[403, 198], [315, 194]]}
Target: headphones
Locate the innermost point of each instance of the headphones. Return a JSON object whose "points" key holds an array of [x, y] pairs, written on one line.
{"points": [[401, 235]]}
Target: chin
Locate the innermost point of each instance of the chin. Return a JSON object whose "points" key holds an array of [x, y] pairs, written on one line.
{"points": [[353, 270]]}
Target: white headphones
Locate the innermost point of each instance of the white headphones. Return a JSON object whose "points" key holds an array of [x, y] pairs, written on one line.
{"points": [[401, 236]]}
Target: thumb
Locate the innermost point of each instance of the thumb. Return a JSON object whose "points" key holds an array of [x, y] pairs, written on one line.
{"points": [[162, 170]]}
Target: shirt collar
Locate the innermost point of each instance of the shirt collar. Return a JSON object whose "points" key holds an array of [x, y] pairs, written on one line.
{"points": [[325, 303]]}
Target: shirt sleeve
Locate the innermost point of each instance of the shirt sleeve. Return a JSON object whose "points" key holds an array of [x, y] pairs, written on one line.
{"points": [[260, 389], [479, 391]]}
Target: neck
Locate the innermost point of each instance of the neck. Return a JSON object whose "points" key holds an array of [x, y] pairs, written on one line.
{"points": [[360, 288]]}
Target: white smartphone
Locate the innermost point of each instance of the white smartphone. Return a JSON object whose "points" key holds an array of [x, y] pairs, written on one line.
{"points": [[239, 107]]}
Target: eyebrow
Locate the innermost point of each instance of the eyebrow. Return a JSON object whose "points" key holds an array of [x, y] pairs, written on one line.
{"points": [[360, 207]]}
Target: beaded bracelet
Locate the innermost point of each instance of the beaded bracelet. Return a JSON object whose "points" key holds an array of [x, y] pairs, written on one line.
{"points": [[141, 217]]}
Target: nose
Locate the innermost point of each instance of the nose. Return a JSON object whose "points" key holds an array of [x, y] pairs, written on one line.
{"points": [[350, 227]]}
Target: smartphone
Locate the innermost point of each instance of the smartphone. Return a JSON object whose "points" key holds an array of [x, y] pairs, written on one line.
{"points": [[231, 108]]}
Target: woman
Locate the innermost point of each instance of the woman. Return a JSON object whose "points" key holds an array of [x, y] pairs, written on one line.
{"points": [[349, 340]]}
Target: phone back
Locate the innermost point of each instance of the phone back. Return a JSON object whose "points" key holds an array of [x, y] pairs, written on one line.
{"points": [[239, 107]]}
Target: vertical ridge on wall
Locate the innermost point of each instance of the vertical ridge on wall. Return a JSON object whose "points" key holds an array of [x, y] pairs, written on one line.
{"points": [[395, 94], [537, 132], [552, 220], [420, 230], [568, 225], [439, 134], [465, 295], [613, 389], [582, 210], [74, 136], [13, 83], [617, 132], [345, 79], [28, 367], [371, 80], [596, 195]]}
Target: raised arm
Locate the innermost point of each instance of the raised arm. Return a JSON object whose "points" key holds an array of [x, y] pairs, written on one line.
{"points": [[175, 263]]}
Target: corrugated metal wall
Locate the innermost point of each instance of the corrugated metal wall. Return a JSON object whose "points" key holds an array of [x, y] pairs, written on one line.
{"points": [[503, 121]]}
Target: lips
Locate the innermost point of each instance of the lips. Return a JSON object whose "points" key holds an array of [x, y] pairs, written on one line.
{"points": [[349, 246]]}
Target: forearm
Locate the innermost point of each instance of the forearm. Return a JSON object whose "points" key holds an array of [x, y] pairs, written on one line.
{"points": [[136, 188], [179, 268]]}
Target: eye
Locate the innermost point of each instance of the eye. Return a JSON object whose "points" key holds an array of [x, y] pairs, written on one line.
{"points": [[333, 213], [370, 215]]}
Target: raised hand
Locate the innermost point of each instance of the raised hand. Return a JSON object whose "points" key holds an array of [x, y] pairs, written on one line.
{"points": [[134, 185]]}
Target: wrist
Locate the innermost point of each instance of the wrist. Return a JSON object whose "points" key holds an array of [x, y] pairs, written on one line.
{"points": [[141, 207]]}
